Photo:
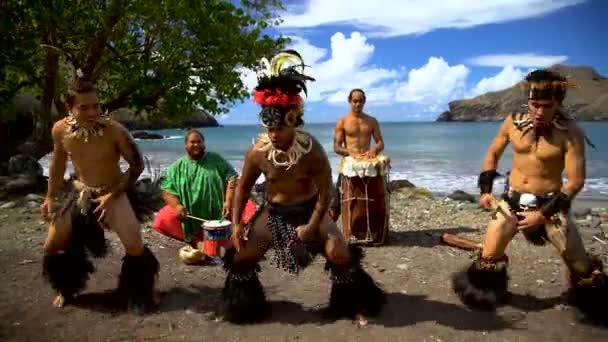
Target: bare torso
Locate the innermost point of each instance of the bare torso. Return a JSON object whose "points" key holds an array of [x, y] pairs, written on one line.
{"points": [[537, 167], [358, 131], [96, 162], [296, 184]]}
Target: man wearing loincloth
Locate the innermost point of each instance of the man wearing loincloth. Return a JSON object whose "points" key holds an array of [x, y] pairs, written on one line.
{"points": [[101, 197], [200, 184], [353, 140], [545, 143], [293, 219]]}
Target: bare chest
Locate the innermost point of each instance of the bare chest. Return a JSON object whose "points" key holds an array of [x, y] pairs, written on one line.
{"points": [[96, 151], [544, 148], [297, 172], [356, 127]]}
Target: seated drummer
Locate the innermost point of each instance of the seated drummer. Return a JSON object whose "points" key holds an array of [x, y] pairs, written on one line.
{"points": [[353, 136], [200, 184]]}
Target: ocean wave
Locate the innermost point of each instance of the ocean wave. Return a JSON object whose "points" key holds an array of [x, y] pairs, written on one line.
{"points": [[438, 181], [170, 137], [174, 137]]}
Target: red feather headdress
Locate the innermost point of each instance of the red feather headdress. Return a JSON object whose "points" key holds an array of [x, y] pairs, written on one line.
{"points": [[280, 83]]}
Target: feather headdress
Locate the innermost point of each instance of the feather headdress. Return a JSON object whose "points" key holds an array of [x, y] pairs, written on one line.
{"points": [[547, 85], [280, 82]]}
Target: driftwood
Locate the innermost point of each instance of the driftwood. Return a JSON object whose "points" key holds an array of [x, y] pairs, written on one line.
{"points": [[459, 242], [468, 244]]}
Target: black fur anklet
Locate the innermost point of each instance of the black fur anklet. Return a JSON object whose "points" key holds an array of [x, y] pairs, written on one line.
{"points": [[137, 279], [243, 297], [353, 291], [589, 294], [67, 272], [484, 284]]}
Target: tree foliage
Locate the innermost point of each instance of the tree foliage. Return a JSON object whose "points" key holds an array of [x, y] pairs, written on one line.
{"points": [[166, 57]]}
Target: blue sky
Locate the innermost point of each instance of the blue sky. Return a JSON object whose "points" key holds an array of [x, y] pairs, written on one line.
{"points": [[413, 57]]}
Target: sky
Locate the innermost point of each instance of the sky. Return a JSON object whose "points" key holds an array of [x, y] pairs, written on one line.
{"points": [[412, 57]]}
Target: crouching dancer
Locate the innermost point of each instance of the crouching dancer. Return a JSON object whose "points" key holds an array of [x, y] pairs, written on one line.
{"points": [[101, 197], [546, 142], [293, 219]]}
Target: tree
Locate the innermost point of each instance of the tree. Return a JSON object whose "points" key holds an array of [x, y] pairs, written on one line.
{"points": [[164, 57]]}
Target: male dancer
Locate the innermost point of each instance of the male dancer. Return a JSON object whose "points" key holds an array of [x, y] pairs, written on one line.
{"points": [[100, 198], [294, 218], [545, 142]]}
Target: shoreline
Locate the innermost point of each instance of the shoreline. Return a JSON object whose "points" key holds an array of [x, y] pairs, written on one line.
{"points": [[581, 200]]}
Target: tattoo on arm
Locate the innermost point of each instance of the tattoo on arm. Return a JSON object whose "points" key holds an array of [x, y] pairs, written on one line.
{"points": [[57, 164], [250, 173], [323, 181], [130, 152], [575, 168], [230, 188]]}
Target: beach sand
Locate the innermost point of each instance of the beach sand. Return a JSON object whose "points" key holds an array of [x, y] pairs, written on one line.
{"points": [[413, 268]]}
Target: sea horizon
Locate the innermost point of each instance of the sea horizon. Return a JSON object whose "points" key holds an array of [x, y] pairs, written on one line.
{"points": [[440, 156]]}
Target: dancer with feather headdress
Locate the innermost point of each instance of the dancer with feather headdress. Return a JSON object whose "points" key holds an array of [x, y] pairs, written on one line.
{"points": [[293, 219], [546, 143]]}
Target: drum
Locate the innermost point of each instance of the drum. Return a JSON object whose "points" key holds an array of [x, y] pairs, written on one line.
{"points": [[365, 199], [216, 237]]}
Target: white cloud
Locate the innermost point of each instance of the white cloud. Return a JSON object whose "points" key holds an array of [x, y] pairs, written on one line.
{"points": [[506, 78], [433, 84], [337, 71], [526, 60], [398, 17], [428, 88], [345, 67]]}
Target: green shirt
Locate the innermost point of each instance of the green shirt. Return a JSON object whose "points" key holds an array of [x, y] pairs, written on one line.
{"points": [[200, 186]]}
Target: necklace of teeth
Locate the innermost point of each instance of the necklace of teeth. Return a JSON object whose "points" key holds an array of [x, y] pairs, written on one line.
{"points": [[76, 130], [524, 122], [301, 145]]}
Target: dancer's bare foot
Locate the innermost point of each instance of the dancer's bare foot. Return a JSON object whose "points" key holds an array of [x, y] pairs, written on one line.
{"points": [[361, 321], [59, 301], [192, 256]]}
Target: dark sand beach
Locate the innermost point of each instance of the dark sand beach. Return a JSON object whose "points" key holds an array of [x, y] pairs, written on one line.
{"points": [[414, 269]]}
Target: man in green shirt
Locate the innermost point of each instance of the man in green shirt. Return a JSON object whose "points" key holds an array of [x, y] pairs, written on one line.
{"points": [[200, 184]]}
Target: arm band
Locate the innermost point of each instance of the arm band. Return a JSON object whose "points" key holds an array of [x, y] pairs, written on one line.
{"points": [[555, 205], [486, 181]]}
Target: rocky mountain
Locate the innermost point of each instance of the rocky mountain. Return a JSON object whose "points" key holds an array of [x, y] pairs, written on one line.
{"points": [[133, 123], [587, 102]]}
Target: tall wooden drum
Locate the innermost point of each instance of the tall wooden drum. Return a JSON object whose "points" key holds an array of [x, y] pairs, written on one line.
{"points": [[365, 199]]}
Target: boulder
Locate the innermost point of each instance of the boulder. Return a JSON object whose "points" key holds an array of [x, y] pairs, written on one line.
{"points": [[146, 135], [415, 193], [581, 212], [24, 165], [399, 184], [21, 185], [462, 196]]}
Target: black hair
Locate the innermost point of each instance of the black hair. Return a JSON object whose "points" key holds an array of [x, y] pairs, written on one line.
{"points": [[350, 95], [543, 75], [81, 85], [191, 131]]}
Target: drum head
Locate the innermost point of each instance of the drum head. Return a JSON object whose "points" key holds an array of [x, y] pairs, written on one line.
{"points": [[217, 224]]}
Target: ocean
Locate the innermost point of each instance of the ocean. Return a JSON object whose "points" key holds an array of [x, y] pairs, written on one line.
{"points": [[442, 157]]}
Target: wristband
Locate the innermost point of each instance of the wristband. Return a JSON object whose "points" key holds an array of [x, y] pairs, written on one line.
{"points": [[556, 204], [486, 181]]}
